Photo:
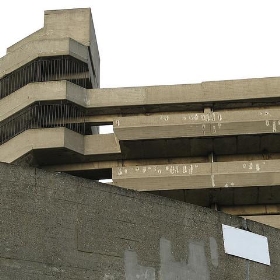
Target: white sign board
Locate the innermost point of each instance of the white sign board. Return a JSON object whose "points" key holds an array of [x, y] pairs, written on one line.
{"points": [[245, 244]]}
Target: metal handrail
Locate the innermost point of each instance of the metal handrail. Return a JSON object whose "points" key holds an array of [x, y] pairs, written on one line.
{"points": [[43, 116], [46, 69]]}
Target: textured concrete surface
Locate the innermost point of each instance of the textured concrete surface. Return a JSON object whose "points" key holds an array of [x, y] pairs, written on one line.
{"points": [[59, 27], [194, 95], [231, 174], [42, 48], [219, 123], [55, 226], [58, 138], [39, 92]]}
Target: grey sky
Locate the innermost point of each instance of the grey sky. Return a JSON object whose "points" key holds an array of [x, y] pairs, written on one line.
{"points": [[151, 42]]}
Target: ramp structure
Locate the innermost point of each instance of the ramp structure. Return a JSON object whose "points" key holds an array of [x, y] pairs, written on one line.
{"points": [[214, 144]]}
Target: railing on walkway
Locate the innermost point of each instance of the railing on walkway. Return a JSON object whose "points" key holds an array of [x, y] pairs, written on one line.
{"points": [[46, 69], [43, 116]]}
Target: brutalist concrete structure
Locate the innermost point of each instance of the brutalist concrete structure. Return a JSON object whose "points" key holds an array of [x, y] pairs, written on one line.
{"points": [[56, 226], [214, 144]]}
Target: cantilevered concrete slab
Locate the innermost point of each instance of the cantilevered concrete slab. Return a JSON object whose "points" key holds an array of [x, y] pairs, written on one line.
{"points": [[41, 92], [109, 103], [219, 123], [42, 48], [220, 94], [198, 176], [55, 138]]}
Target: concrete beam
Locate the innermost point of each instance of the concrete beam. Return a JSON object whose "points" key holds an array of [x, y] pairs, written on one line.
{"points": [[209, 93], [53, 138], [106, 104], [198, 176], [42, 48], [250, 210], [42, 91], [87, 166], [220, 123], [270, 220]]}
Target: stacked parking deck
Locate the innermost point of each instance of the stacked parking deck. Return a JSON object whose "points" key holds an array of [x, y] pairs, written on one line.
{"points": [[215, 144]]}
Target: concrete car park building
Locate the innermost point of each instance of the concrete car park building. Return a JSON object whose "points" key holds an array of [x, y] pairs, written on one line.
{"points": [[213, 144]]}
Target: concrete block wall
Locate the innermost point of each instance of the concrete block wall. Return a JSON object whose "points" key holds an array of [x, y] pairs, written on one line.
{"points": [[55, 226]]}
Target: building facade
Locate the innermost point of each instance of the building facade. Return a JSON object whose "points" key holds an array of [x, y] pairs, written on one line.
{"points": [[214, 144]]}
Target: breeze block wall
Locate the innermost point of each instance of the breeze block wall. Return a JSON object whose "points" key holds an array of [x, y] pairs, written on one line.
{"points": [[55, 226]]}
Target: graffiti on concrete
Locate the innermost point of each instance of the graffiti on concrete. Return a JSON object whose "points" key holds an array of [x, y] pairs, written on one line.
{"points": [[195, 268], [135, 271], [214, 251]]}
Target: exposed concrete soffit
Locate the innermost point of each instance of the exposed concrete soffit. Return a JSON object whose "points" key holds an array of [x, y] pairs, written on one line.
{"points": [[52, 138], [42, 48], [147, 177], [270, 220], [264, 209], [93, 165]]}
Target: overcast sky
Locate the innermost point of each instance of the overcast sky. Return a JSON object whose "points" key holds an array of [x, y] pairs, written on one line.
{"points": [[153, 42]]}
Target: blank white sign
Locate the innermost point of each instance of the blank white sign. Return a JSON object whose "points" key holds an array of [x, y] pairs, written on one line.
{"points": [[245, 244]]}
